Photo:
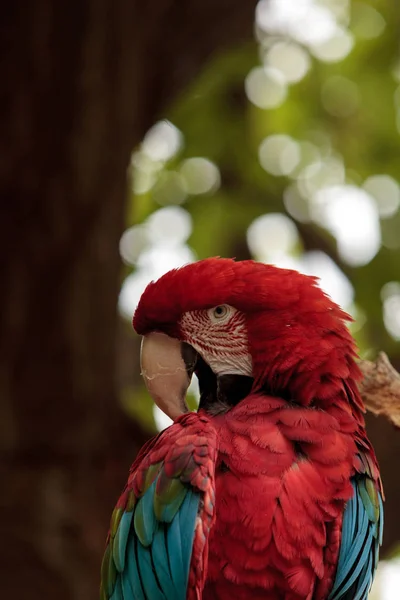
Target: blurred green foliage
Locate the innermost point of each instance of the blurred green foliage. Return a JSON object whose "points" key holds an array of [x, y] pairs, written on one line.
{"points": [[343, 114], [347, 110]]}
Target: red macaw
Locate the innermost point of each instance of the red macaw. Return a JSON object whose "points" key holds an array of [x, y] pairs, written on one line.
{"points": [[272, 489]]}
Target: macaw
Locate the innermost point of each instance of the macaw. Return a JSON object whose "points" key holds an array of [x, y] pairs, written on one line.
{"points": [[271, 490]]}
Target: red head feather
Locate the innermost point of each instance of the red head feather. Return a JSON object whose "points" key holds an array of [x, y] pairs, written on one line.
{"points": [[297, 336]]}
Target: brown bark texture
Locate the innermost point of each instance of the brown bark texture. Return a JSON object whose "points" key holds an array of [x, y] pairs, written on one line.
{"points": [[380, 388], [80, 84]]}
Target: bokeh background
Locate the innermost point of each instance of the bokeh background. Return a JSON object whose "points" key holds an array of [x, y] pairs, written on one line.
{"points": [[138, 139]]}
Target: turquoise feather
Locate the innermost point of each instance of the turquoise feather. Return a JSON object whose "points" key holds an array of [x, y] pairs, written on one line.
{"points": [[381, 519], [131, 581], [170, 493], [118, 592], [161, 563], [369, 506], [144, 519], [358, 556], [174, 541], [366, 577], [187, 519], [149, 559], [146, 570], [120, 540]]}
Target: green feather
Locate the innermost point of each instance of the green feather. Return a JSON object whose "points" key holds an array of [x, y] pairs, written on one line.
{"points": [[108, 572], [115, 519], [151, 475], [120, 540], [170, 493], [103, 595], [144, 519], [131, 502], [369, 498]]}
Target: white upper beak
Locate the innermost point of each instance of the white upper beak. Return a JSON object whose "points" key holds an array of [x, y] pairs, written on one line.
{"points": [[165, 373]]}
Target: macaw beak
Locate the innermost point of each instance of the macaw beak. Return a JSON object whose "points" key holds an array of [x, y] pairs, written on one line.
{"points": [[167, 367]]}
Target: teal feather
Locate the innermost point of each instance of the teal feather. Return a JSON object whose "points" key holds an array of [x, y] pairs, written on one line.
{"points": [[161, 562], [381, 518], [346, 532], [366, 578], [118, 592], [369, 506], [174, 542], [152, 529], [187, 521], [358, 556], [151, 588], [144, 519], [359, 562], [359, 541], [120, 540], [170, 493], [127, 589], [346, 562], [153, 558], [131, 581]]}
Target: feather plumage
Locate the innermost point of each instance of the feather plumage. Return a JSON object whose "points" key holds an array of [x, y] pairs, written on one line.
{"points": [[168, 498], [276, 494]]}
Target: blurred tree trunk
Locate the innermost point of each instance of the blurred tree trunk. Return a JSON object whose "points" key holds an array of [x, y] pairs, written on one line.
{"points": [[81, 82]]}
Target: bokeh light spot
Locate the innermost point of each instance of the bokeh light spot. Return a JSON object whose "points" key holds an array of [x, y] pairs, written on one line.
{"points": [[367, 23], [171, 225], [303, 20], [170, 188], [144, 172], [133, 241], [320, 174], [290, 59], [386, 192], [279, 154], [201, 176], [271, 235], [265, 87], [296, 205], [162, 141], [336, 48], [352, 217], [390, 295]]}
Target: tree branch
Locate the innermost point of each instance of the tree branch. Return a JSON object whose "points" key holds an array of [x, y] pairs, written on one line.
{"points": [[380, 388]]}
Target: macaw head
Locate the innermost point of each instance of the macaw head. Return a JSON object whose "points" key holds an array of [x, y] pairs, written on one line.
{"points": [[242, 326]]}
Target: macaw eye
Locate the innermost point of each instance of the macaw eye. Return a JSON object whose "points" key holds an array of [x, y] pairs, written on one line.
{"points": [[219, 312]]}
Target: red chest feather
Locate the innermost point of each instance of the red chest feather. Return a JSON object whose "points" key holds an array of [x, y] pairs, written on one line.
{"points": [[281, 484]]}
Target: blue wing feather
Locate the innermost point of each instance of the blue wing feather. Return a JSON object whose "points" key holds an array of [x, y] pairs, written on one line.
{"points": [[161, 562], [187, 518], [130, 577], [150, 583], [118, 592], [144, 519], [359, 550], [366, 577], [381, 521], [150, 543], [151, 559], [174, 541], [120, 540]]}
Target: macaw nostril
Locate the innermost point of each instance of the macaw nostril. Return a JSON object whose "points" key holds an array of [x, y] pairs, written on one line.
{"points": [[189, 356]]}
